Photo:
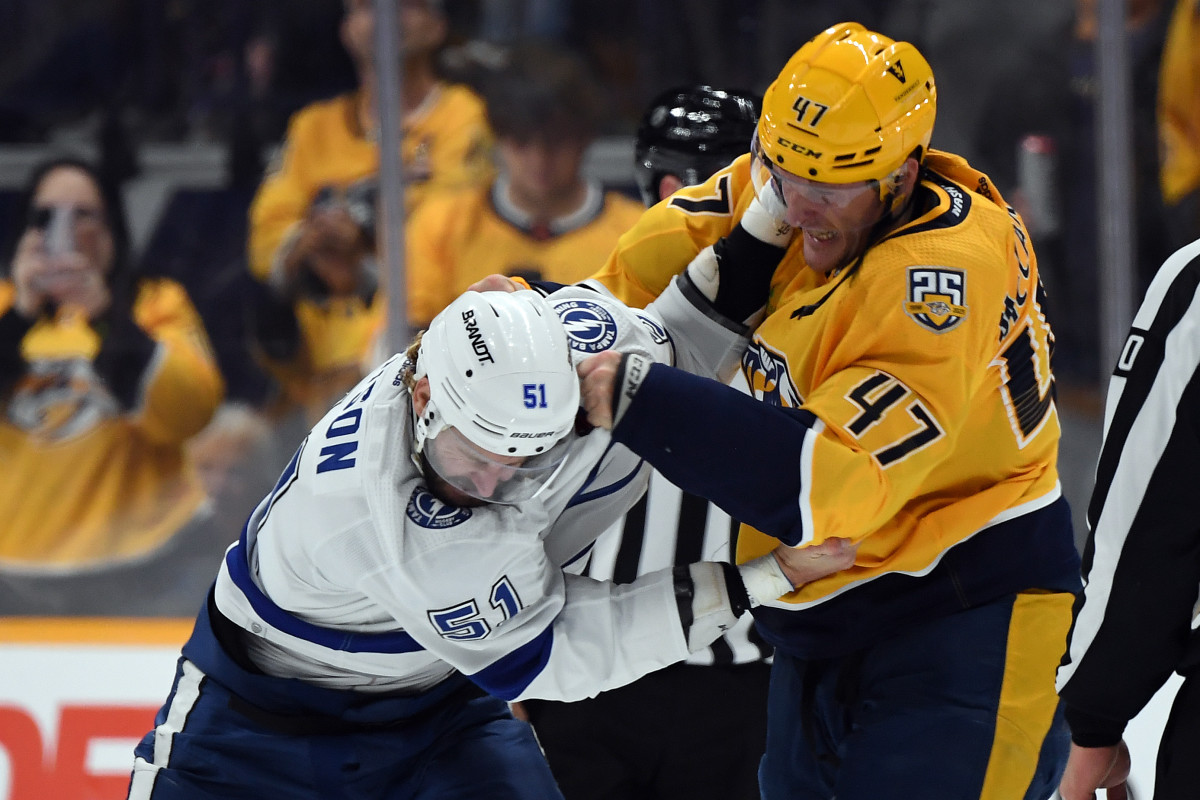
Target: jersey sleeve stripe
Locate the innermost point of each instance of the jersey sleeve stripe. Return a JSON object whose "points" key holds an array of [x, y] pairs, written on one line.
{"points": [[276, 617], [510, 675]]}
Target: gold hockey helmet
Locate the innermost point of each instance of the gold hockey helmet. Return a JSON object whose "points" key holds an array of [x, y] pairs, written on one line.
{"points": [[851, 105]]}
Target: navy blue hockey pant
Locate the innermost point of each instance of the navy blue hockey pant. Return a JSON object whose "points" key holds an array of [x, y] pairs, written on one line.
{"points": [[958, 708], [226, 732]]}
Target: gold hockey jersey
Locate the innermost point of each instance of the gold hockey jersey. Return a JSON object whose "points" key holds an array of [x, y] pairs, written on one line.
{"points": [[457, 238], [446, 143], [87, 480], [927, 368]]}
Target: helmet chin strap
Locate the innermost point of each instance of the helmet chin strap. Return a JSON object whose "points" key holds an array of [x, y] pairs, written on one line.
{"points": [[897, 204], [419, 428]]}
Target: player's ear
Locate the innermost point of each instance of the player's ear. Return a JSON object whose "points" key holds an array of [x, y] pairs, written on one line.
{"points": [[420, 396], [904, 179], [668, 185]]}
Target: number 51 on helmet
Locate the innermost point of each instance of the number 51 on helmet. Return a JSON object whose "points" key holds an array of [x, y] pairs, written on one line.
{"points": [[503, 394]]}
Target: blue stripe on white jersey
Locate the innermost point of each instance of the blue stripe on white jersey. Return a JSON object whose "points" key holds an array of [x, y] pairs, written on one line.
{"points": [[276, 617], [508, 676], [587, 493]]}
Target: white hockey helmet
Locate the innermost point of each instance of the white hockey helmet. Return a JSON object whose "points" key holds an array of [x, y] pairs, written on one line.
{"points": [[503, 394]]}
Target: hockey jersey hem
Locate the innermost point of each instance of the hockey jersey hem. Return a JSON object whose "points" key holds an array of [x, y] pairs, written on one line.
{"points": [[1032, 552]]}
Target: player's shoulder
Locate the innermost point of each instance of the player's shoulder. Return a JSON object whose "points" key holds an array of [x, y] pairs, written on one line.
{"points": [[595, 320], [718, 201]]}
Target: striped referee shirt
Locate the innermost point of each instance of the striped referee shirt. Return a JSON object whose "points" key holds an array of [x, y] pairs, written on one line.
{"points": [[669, 527], [1141, 566]]}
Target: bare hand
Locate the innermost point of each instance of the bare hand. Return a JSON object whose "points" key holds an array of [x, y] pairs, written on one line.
{"points": [[28, 270], [495, 283], [597, 375], [1092, 768], [67, 279], [806, 564], [333, 246]]}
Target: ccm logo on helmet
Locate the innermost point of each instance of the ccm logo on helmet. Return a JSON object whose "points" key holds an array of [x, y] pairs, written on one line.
{"points": [[796, 147], [476, 338]]}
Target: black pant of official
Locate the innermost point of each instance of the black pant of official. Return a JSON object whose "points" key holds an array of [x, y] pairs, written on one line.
{"points": [[1177, 776], [682, 732]]}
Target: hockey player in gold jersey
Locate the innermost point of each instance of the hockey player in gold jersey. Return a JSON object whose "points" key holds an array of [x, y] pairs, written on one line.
{"points": [[904, 400], [541, 218], [102, 379]]}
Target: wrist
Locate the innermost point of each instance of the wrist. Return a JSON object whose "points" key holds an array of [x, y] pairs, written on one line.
{"points": [[764, 227], [764, 579], [631, 371], [1093, 730]]}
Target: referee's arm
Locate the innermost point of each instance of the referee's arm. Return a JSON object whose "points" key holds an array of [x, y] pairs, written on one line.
{"points": [[1141, 565]]}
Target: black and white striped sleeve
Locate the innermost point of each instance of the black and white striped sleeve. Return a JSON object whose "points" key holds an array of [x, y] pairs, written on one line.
{"points": [[1141, 565]]}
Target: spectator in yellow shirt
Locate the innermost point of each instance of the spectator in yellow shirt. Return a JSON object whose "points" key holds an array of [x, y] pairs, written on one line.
{"points": [[312, 235], [103, 377], [541, 218]]}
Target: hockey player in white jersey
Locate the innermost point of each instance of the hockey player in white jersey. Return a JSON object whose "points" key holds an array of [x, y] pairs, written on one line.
{"points": [[410, 571]]}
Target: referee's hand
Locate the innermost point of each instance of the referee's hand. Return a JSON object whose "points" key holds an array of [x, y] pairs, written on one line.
{"points": [[1092, 768]]}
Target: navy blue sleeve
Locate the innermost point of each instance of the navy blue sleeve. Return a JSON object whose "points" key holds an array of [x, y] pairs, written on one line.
{"points": [[712, 440]]}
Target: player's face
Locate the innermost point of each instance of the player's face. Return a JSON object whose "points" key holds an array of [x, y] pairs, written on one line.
{"points": [[464, 474], [834, 220]]}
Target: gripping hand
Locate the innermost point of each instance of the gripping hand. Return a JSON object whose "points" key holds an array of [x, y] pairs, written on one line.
{"points": [[734, 274]]}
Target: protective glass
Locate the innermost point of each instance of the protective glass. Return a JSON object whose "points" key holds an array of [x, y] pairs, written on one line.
{"points": [[780, 191], [488, 476]]}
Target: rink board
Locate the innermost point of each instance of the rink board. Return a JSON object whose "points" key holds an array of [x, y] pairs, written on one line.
{"points": [[77, 695]]}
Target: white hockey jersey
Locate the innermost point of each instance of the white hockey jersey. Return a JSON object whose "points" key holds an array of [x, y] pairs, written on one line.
{"points": [[350, 574]]}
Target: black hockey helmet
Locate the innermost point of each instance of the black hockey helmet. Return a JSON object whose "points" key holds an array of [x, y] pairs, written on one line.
{"points": [[691, 132]]}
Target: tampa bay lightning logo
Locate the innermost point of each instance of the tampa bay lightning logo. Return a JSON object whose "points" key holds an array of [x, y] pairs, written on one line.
{"points": [[429, 512], [590, 327], [768, 375]]}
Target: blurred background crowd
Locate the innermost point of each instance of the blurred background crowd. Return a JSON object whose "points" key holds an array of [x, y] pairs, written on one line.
{"points": [[239, 291]]}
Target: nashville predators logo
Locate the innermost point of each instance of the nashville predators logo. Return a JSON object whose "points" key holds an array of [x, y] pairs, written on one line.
{"points": [[768, 375], [898, 70], [60, 400], [937, 297]]}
